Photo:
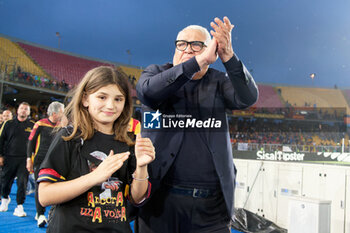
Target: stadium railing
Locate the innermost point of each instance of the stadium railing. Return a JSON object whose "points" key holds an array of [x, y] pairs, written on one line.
{"points": [[293, 148]]}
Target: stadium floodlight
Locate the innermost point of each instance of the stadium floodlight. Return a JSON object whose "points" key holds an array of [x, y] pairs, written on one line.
{"points": [[59, 38], [129, 55], [312, 76]]}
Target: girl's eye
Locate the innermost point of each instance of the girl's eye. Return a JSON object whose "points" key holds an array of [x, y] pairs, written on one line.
{"points": [[102, 97], [119, 99]]}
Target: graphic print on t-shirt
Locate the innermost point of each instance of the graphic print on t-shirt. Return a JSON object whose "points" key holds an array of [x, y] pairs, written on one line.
{"points": [[98, 155], [112, 183], [109, 203]]}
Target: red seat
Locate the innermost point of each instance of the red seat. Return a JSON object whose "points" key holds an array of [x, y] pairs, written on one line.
{"points": [[61, 66], [268, 97]]}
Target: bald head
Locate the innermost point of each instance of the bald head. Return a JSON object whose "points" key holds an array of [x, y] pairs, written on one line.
{"points": [[7, 115], [199, 29]]}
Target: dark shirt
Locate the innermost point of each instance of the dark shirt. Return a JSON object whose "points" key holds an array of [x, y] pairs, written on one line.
{"points": [[40, 140], [193, 166], [14, 137]]}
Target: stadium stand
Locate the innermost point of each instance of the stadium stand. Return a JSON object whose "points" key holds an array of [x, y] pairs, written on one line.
{"points": [[59, 65], [346, 94], [273, 120], [310, 134], [313, 97], [13, 56], [268, 97], [133, 73], [48, 68]]}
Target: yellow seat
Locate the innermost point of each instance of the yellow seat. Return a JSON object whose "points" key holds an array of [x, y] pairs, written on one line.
{"points": [[314, 97], [12, 56]]}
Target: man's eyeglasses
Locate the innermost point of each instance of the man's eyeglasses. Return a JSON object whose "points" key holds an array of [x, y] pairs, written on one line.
{"points": [[196, 46]]}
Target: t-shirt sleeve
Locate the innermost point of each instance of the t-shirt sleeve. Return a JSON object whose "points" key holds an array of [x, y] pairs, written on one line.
{"points": [[57, 163], [32, 140], [3, 136]]}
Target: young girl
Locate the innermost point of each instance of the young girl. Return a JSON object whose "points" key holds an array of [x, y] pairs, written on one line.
{"points": [[91, 168]]}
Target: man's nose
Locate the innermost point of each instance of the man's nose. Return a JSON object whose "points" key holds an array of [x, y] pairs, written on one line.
{"points": [[188, 49]]}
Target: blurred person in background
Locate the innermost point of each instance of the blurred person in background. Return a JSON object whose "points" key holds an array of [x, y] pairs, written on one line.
{"points": [[6, 115], [13, 140], [38, 143]]}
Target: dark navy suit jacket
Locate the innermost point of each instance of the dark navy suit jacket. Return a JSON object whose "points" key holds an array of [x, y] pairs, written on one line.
{"points": [[160, 86]]}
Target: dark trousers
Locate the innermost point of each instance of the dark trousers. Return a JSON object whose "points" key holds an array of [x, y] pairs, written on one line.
{"points": [[14, 166], [176, 213], [39, 209], [0, 178]]}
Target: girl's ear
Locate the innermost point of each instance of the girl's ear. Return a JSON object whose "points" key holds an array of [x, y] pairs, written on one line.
{"points": [[85, 102]]}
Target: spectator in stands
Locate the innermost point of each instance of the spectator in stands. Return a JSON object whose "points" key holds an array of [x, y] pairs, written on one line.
{"points": [[193, 176], [19, 70], [39, 141], [13, 138], [82, 172], [37, 81], [133, 81]]}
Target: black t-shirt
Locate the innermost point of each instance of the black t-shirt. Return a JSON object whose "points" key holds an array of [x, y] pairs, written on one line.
{"points": [[103, 207], [14, 137]]}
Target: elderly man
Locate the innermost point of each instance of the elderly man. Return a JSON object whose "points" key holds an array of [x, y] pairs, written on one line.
{"points": [[193, 176], [39, 142], [13, 140]]}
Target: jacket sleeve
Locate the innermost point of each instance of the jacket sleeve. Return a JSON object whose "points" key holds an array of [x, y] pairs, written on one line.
{"points": [[238, 87], [156, 83], [58, 159], [33, 139], [3, 135]]}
